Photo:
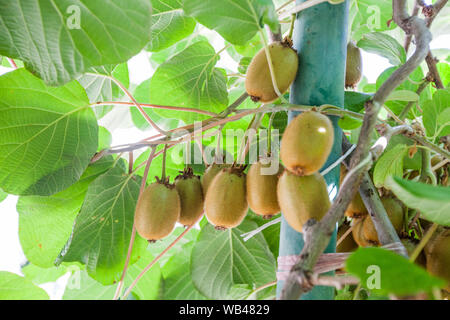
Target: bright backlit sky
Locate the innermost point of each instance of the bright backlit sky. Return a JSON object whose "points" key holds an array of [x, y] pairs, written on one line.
{"points": [[11, 254]]}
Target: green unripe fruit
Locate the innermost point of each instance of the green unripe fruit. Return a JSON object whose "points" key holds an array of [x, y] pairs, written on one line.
{"points": [[307, 143], [353, 69], [302, 198], [190, 191], [262, 189], [226, 201], [157, 211], [258, 82]]}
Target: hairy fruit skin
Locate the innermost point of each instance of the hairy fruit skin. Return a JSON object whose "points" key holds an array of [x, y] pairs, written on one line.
{"points": [[262, 189], [357, 232], [394, 211], [302, 198], [258, 82], [157, 211], [348, 244], [190, 191], [307, 143], [226, 201], [210, 172], [438, 256], [353, 69]]}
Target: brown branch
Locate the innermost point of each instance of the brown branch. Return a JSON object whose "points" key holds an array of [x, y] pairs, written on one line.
{"points": [[417, 5], [317, 234]]}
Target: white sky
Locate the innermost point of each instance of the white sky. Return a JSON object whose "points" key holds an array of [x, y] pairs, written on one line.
{"points": [[11, 254]]}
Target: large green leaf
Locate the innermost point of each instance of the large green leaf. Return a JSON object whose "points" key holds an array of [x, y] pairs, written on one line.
{"points": [[15, 287], [102, 230], [190, 79], [40, 275], [100, 88], [178, 283], [221, 259], [47, 135], [169, 24], [60, 40], [385, 272], [436, 117], [390, 163], [45, 223], [383, 45], [3, 195], [82, 287], [433, 202], [235, 20]]}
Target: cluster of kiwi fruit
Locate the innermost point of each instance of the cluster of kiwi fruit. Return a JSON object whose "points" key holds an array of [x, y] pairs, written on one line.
{"points": [[162, 204]]}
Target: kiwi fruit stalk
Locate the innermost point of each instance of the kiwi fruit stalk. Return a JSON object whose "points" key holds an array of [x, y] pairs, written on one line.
{"points": [[258, 81], [302, 198], [210, 172], [353, 68], [262, 190], [190, 191], [157, 210], [307, 143], [226, 200]]}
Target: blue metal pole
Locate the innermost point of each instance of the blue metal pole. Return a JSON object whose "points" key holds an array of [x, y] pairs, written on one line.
{"points": [[320, 38]]}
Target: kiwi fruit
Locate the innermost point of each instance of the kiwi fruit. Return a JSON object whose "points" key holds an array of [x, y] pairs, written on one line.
{"points": [[190, 191], [307, 143], [226, 201], [157, 210], [348, 244], [357, 232], [210, 172], [262, 190], [438, 256], [353, 68], [258, 81], [410, 245], [302, 198], [394, 211]]}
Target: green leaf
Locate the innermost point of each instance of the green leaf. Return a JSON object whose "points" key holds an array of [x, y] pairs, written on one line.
{"points": [[178, 283], [104, 138], [348, 123], [82, 287], [354, 101], [221, 259], [414, 163], [102, 230], [190, 79], [15, 287], [40, 275], [433, 202], [390, 163], [45, 223], [3, 195], [142, 95], [60, 40], [235, 20], [370, 15], [403, 95], [395, 273], [243, 64], [383, 45], [444, 71], [435, 117], [100, 88], [170, 24], [48, 135]]}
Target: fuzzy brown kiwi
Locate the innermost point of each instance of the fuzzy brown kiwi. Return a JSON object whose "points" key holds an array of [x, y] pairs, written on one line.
{"points": [[348, 244], [307, 143], [262, 189], [357, 232], [157, 210], [394, 211], [353, 69], [438, 256], [258, 81], [410, 245], [356, 208], [210, 172], [226, 201], [302, 198], [190, 190]]}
